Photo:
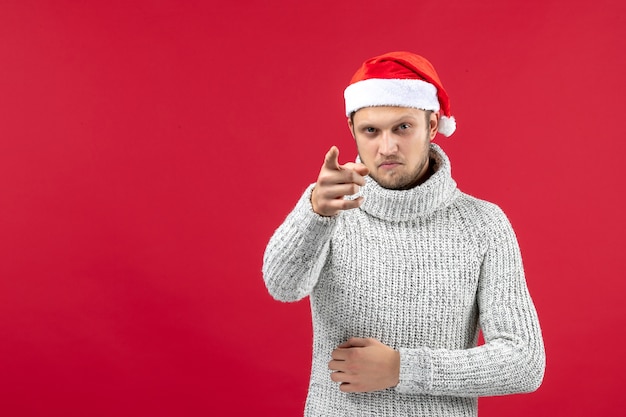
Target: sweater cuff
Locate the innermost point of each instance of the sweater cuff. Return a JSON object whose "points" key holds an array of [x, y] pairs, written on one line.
{"points": [[306, 217], [416, 372]]}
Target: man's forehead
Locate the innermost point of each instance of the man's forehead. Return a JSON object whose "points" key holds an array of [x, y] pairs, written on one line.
{"points": [[386, 113]]}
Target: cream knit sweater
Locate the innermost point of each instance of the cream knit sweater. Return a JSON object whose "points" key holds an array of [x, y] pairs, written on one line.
{"points": [[422, 271]]}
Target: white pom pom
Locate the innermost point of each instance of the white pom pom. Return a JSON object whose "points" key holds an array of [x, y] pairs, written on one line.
{"points": [[447, 125]]}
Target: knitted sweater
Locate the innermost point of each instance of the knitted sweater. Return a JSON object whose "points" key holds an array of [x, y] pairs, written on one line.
{"points": [[422, 271]]}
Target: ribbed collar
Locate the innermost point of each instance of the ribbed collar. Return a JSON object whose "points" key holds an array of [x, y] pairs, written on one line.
{"points": [[404, 205]]}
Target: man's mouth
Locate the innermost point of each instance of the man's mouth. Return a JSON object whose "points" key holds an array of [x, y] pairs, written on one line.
{"points": [[389, 164]]}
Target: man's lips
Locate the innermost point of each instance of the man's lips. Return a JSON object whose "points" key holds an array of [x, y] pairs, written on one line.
{"points": [[388, 164]]}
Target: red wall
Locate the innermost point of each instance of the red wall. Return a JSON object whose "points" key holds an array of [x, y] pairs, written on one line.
{"points": [[148, 149]]}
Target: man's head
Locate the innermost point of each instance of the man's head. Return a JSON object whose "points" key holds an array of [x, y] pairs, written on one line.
{"points": [[395, 105]]}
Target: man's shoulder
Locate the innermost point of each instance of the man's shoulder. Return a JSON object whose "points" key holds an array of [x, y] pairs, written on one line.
{"points": [[476, 203], [477, 210]]}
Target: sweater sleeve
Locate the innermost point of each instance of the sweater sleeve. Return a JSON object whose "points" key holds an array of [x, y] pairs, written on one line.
{"points": [[296, 253], [512, 360]]}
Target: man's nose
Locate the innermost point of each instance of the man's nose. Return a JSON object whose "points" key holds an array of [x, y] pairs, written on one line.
{"points": [[388, 144]]}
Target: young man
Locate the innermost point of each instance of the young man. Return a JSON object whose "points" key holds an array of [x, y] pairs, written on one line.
{"points": [[402, 268]]}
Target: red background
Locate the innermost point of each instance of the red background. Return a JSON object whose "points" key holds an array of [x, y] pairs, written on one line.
{"points": [[148, 149]]}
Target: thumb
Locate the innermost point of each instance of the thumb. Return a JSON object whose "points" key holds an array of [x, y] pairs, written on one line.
{"points": [[361, 169], [331, 160]]}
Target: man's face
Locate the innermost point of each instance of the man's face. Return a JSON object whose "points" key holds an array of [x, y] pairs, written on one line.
{"points": [[393, 143]]}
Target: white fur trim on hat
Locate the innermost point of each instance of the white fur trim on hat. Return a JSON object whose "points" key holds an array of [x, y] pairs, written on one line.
{"points": [[372, 92], [447, 125]]}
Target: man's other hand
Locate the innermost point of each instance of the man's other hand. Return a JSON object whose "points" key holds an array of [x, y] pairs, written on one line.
{"points": [[364, 365]]}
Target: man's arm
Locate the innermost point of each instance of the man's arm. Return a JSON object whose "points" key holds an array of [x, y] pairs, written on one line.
{"points": [[296, 253], [512, 360]]}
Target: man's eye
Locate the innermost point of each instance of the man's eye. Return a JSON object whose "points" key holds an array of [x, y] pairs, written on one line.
{"points": [[370, 130], [404, 126]]}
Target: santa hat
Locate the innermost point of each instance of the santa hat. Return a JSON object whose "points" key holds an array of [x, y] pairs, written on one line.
{"points": [[400, 79]]}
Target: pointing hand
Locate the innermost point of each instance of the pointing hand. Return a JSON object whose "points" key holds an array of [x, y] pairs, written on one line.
{"points": [[335, 182]]}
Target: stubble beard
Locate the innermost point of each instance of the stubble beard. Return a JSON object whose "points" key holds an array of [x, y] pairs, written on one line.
{"points": [[403, 181]]}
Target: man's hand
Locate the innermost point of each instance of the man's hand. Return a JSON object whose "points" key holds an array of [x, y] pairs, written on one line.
{"points": [[364, 365], [336, 181]]}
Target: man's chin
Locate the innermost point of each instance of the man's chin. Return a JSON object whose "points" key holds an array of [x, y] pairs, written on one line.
{"points": [[389, 183]]}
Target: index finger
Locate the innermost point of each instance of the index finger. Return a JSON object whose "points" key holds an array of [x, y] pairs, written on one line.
{"points": [[331, 160], [338, 354]]}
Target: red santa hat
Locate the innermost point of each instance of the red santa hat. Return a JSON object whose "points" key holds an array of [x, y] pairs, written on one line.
{"points": [[401, 79]]}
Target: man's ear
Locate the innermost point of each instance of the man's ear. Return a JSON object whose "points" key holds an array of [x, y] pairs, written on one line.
{"points": [[351, 127], [433, 124]]}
